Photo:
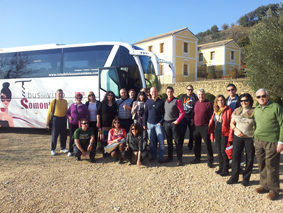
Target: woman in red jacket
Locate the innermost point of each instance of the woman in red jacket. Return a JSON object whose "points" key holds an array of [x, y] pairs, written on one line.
{"points": [[219, 128]]}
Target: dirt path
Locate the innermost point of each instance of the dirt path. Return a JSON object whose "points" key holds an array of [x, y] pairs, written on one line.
{"points": [[31, 180]]}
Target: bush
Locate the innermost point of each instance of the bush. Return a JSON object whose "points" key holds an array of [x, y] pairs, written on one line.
{"points": [[211, 72], [179, 96], [163, 96], [242, 73], [277, 100], [210, 97], [234, 73]]}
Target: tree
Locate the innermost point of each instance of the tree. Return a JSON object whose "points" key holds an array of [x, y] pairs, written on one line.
{"points": [[257, 15], [225, 26], [211, 72], [264, 54], [214, 29]]}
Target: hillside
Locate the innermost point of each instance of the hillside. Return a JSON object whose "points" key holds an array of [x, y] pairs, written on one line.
{"points": [[238, 32]]}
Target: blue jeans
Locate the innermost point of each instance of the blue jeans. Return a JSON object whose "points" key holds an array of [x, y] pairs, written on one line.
{"points": [[155, 133]]}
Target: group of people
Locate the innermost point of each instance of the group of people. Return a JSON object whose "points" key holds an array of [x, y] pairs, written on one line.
{"points": [[130, 122]]}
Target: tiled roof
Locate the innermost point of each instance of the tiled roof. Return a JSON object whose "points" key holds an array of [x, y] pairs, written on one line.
{"points": [[164, 35], [214, 44]]}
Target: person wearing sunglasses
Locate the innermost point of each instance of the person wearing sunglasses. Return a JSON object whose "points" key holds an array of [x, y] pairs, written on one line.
{"points": [[6, 120], [268, 140], [135, 150], [84, 141], [242, 124], [188, 100], [75, 113], [233, 97], [117, 135], [59, 123]]}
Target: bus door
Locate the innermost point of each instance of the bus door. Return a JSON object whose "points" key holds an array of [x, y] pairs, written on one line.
{"points": [[108, 81]]}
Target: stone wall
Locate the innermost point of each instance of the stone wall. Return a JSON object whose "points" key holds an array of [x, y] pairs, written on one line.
{"points": [[215, 87]]}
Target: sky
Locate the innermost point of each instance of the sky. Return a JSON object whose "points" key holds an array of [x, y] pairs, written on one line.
{"points": [[36, 22]]}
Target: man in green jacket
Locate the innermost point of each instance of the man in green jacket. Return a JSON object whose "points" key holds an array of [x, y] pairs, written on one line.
{"points": [[268, 137]]}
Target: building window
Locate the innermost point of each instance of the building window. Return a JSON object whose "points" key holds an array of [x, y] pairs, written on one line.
{"points": [[200, 57], [232, 55], [162, 69], [150, 48], [185, 71], [161, 47], [212, 55], [185, 47]]}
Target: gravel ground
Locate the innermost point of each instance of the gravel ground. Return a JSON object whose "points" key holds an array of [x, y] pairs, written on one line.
{"points": [[31, 180]]}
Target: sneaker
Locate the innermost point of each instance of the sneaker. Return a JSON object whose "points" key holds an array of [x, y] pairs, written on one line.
{"points": [[64, 150], [53, 152], [70, 154], [78, 158]]}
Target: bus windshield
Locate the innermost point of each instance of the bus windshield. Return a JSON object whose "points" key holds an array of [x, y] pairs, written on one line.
{"points": [[149, 73]]}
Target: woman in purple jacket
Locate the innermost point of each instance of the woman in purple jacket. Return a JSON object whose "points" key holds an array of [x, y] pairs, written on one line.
{"points": [[76, 112]]}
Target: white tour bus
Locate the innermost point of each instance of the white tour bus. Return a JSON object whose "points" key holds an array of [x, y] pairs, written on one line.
{"points": [[30, 76]]}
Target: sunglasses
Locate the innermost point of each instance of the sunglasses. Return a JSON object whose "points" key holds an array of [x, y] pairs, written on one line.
{"points": [[85, 123], [244, 101], [263, 96], [190, 89], [134, 129], [3, 99], [79, 98], [230, 90], [91, 95]]}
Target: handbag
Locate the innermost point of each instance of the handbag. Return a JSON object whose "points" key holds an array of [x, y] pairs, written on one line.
{"points": [[79, 120], [111, 147], [51, 116], [229, 150]]}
